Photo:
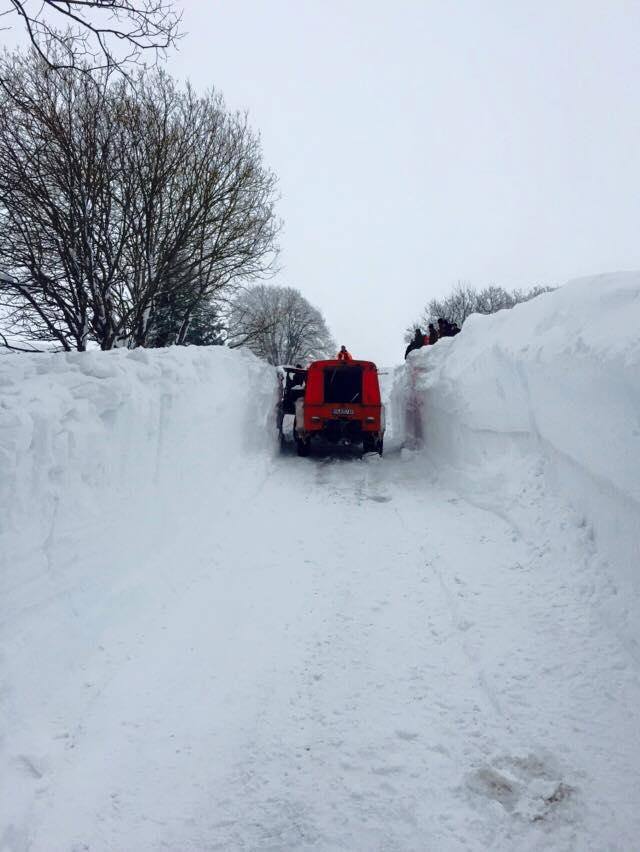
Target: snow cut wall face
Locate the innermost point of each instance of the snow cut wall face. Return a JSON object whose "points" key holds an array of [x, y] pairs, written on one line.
{"points": [[557, 378], [86, 433]]}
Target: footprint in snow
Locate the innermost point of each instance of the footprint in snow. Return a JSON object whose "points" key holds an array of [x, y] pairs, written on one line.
{"points": [[387, 770], [30, 766], [526, 786], [408, 736]]}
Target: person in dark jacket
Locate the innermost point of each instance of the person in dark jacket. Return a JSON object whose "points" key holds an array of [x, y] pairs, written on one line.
{"points": [[446, 328], [416, 343], [433, 333]]}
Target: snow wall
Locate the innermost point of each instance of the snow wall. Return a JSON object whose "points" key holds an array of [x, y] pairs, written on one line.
{"points": [[544, 395], [111, 463], [88, 434]]}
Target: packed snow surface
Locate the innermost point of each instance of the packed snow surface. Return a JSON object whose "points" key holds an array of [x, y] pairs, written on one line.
{"points": [[207, 645]]}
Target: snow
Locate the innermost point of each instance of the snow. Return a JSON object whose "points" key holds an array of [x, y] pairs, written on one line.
{"points": [[101, 453], [208, 645], [550, 389]]}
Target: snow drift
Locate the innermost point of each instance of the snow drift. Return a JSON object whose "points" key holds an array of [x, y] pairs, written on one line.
{"points": [[85, 433], [106, 459], [550, 391]]}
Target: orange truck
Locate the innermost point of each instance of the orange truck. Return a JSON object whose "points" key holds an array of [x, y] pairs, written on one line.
{"points": [[339, 402]]}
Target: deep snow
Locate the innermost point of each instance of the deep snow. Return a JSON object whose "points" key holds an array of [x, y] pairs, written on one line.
{"points": [[548, 391], [205, 645]]}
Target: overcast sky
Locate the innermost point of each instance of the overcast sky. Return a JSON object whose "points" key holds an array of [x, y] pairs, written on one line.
{"points": [[422, 142]]}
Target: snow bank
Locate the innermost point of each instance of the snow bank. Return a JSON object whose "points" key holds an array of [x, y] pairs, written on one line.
{"points": [[86, 432], [106, 460], [551, 389]]}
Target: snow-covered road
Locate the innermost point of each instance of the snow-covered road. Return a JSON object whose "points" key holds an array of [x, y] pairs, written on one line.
{"points": [[204, 645], [349, 656]]}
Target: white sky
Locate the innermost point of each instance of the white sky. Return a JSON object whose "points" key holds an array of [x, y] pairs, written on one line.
{"points": [[422, 142]]}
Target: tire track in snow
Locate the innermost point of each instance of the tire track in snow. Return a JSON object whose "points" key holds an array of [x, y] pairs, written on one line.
{"points": [[462, 625], [321, 680]]}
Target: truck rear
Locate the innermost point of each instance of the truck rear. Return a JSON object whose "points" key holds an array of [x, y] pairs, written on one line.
{"points": [[341, 404]]}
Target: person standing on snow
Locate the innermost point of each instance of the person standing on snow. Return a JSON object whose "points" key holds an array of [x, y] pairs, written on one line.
{"points": [[344, 355], [444, 328], [433, 334], [417, 342]]}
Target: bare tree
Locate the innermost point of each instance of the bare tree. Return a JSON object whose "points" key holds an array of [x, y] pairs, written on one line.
{"points": [[279, 325], [118, 201], [465, 300], [60, 234], [203, 203], [96, 34]]}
